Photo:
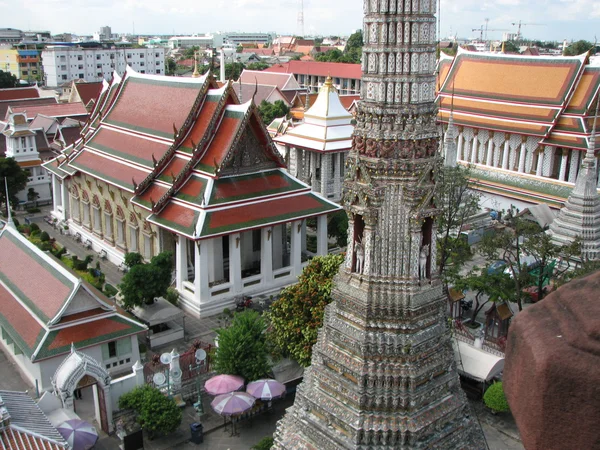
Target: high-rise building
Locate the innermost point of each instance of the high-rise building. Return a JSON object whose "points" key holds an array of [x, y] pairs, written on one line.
{"points": [[383, 372]]}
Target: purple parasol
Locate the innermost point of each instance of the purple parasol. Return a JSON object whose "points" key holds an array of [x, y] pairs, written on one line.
{"points": [[79, 434], [223, 384], [266, 389], [232, 403]]}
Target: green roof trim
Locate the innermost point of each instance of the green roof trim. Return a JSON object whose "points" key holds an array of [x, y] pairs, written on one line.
{"points": [[189, 231], [125, 156], [53, 271], [197, 200], [46, 352], [113, 180]]}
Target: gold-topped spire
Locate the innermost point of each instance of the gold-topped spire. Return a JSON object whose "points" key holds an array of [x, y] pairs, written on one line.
{"points": [[196, 74]]}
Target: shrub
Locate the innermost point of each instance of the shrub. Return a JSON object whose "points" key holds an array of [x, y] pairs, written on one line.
{"points": [[79, 264], [58, 251], [110, 290], [495, 399], [44, 237], [264, 444], [34, 227], [155, 412], [33, 210], [133, 259], [172, 296]]}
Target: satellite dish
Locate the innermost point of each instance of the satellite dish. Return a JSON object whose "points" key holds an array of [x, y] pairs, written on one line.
{"points": [[200, 356], [166, 358], [159, 379], [176, 373]]}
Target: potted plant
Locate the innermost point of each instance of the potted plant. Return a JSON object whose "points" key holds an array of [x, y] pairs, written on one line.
{"points": [[495, 399]]}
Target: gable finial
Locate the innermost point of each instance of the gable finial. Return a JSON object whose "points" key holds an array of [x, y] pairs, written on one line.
{"points": [[255, 89], [9, 221]]}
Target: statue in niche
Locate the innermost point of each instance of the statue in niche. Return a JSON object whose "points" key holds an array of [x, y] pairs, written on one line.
{"points": [[359, 251], [423, 256]]}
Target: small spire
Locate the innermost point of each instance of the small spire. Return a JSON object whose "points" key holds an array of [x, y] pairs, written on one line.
{"points": [[196, 74], [9, 221]]}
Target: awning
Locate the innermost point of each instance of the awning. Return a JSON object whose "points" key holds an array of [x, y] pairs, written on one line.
{"points": [[161, 311], [476, 363]]}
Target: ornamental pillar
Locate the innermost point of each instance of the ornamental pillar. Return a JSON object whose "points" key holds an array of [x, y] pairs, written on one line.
{"points": [[522, 155], [336, 160], [322, 235], [235, 262], [266, 254], [574, 167], [490, 151], [459, 150], [548, 161], [64, 194], [181, 262], [563, 164], [55, 196], [296, 257], [201, 271], [540, 164], [505, 155], [474, 150], [325, 171]]}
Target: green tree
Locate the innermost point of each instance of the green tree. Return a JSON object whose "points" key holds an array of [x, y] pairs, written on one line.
{"points": [[270, 111], [233, 70], [16, 179], [8, 80], [457, 202], [337, 228], [580, 47], [257, 66], [190, 52], [511, 47], [333, 55], [170, 66], [133, 259], [144, 282], [295, 318], [495, 399], [239, 49], [354, 44], [32, 196], [155, 412], [242, 347]]}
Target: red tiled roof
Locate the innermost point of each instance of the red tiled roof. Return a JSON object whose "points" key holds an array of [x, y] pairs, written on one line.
{"points": [[18, 93], [25, 102], [322, 69], [128, 146], [266, 78], [221, 143], [83, 332], [143, 104], [199, 128], [70, 134], [13, 439], [43, 287], [235, 188], [55, 110], [88, 91], [152, 194], [348, 100], [193, 190], [174, 167], [108, 169], [177, 217], [259, 51], [14, 315]]}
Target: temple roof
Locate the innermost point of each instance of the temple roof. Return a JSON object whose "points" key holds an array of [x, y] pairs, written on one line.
{"points": [[36, 295], [327, 124], [547, 97], [52, 110], [186, 149], [19, 93]]}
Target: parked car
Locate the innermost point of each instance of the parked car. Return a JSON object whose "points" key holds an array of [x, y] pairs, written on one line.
{"points": [[496, 267]]}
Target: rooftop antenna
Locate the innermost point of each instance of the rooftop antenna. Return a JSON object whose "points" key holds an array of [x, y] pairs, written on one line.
{"points": [[301, 19]]}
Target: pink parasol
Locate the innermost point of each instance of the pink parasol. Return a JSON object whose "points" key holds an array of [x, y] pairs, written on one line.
{"points": [[223, 384], [266, 389], [233, 403]]}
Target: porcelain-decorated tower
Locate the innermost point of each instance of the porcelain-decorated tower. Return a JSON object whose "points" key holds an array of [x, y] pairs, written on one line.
{"points": [[383, 373]]}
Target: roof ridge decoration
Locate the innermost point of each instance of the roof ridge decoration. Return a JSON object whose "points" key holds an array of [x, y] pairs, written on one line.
{"points": [[178, 138], [197, 152]]}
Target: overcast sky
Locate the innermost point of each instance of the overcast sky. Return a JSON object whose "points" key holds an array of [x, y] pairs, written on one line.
{"points": [[544, 19]]}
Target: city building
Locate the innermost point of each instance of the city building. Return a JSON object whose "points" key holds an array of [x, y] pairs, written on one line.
{"points": [[45, 309], [30, 68], [66, 63], [316, 150], [178, 164], [249, 38], [105, 34], [11, 35], [9, 60], [523, 123], [382, 374], [214, 40], [80, 91], [312, 74]]}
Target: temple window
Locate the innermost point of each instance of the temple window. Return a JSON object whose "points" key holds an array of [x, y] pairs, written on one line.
{"points": [[108, 225], [97, 220], [133, 238], [358, 255], [147, 245], [117, 353], [120, 232]]}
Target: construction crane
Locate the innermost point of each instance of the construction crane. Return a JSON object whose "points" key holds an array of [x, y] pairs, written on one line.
{"points": [[521, 24], [485, 29]]}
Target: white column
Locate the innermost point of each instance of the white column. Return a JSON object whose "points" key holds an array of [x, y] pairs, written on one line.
{"points": [[216, 271], [522, 158], [336, 159], [54, 195], [324, 172], [201, 290], [563, 165], [266, 255], [296, 257], [505, 155], [474, 150], [459, 149], [540, 164], [322, 235], [181, 262], [490, 151], [235, 262], [64, 193], [574, 167]]}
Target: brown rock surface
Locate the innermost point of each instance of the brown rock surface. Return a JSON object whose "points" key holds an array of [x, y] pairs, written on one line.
{"points": [[552, 371]]}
